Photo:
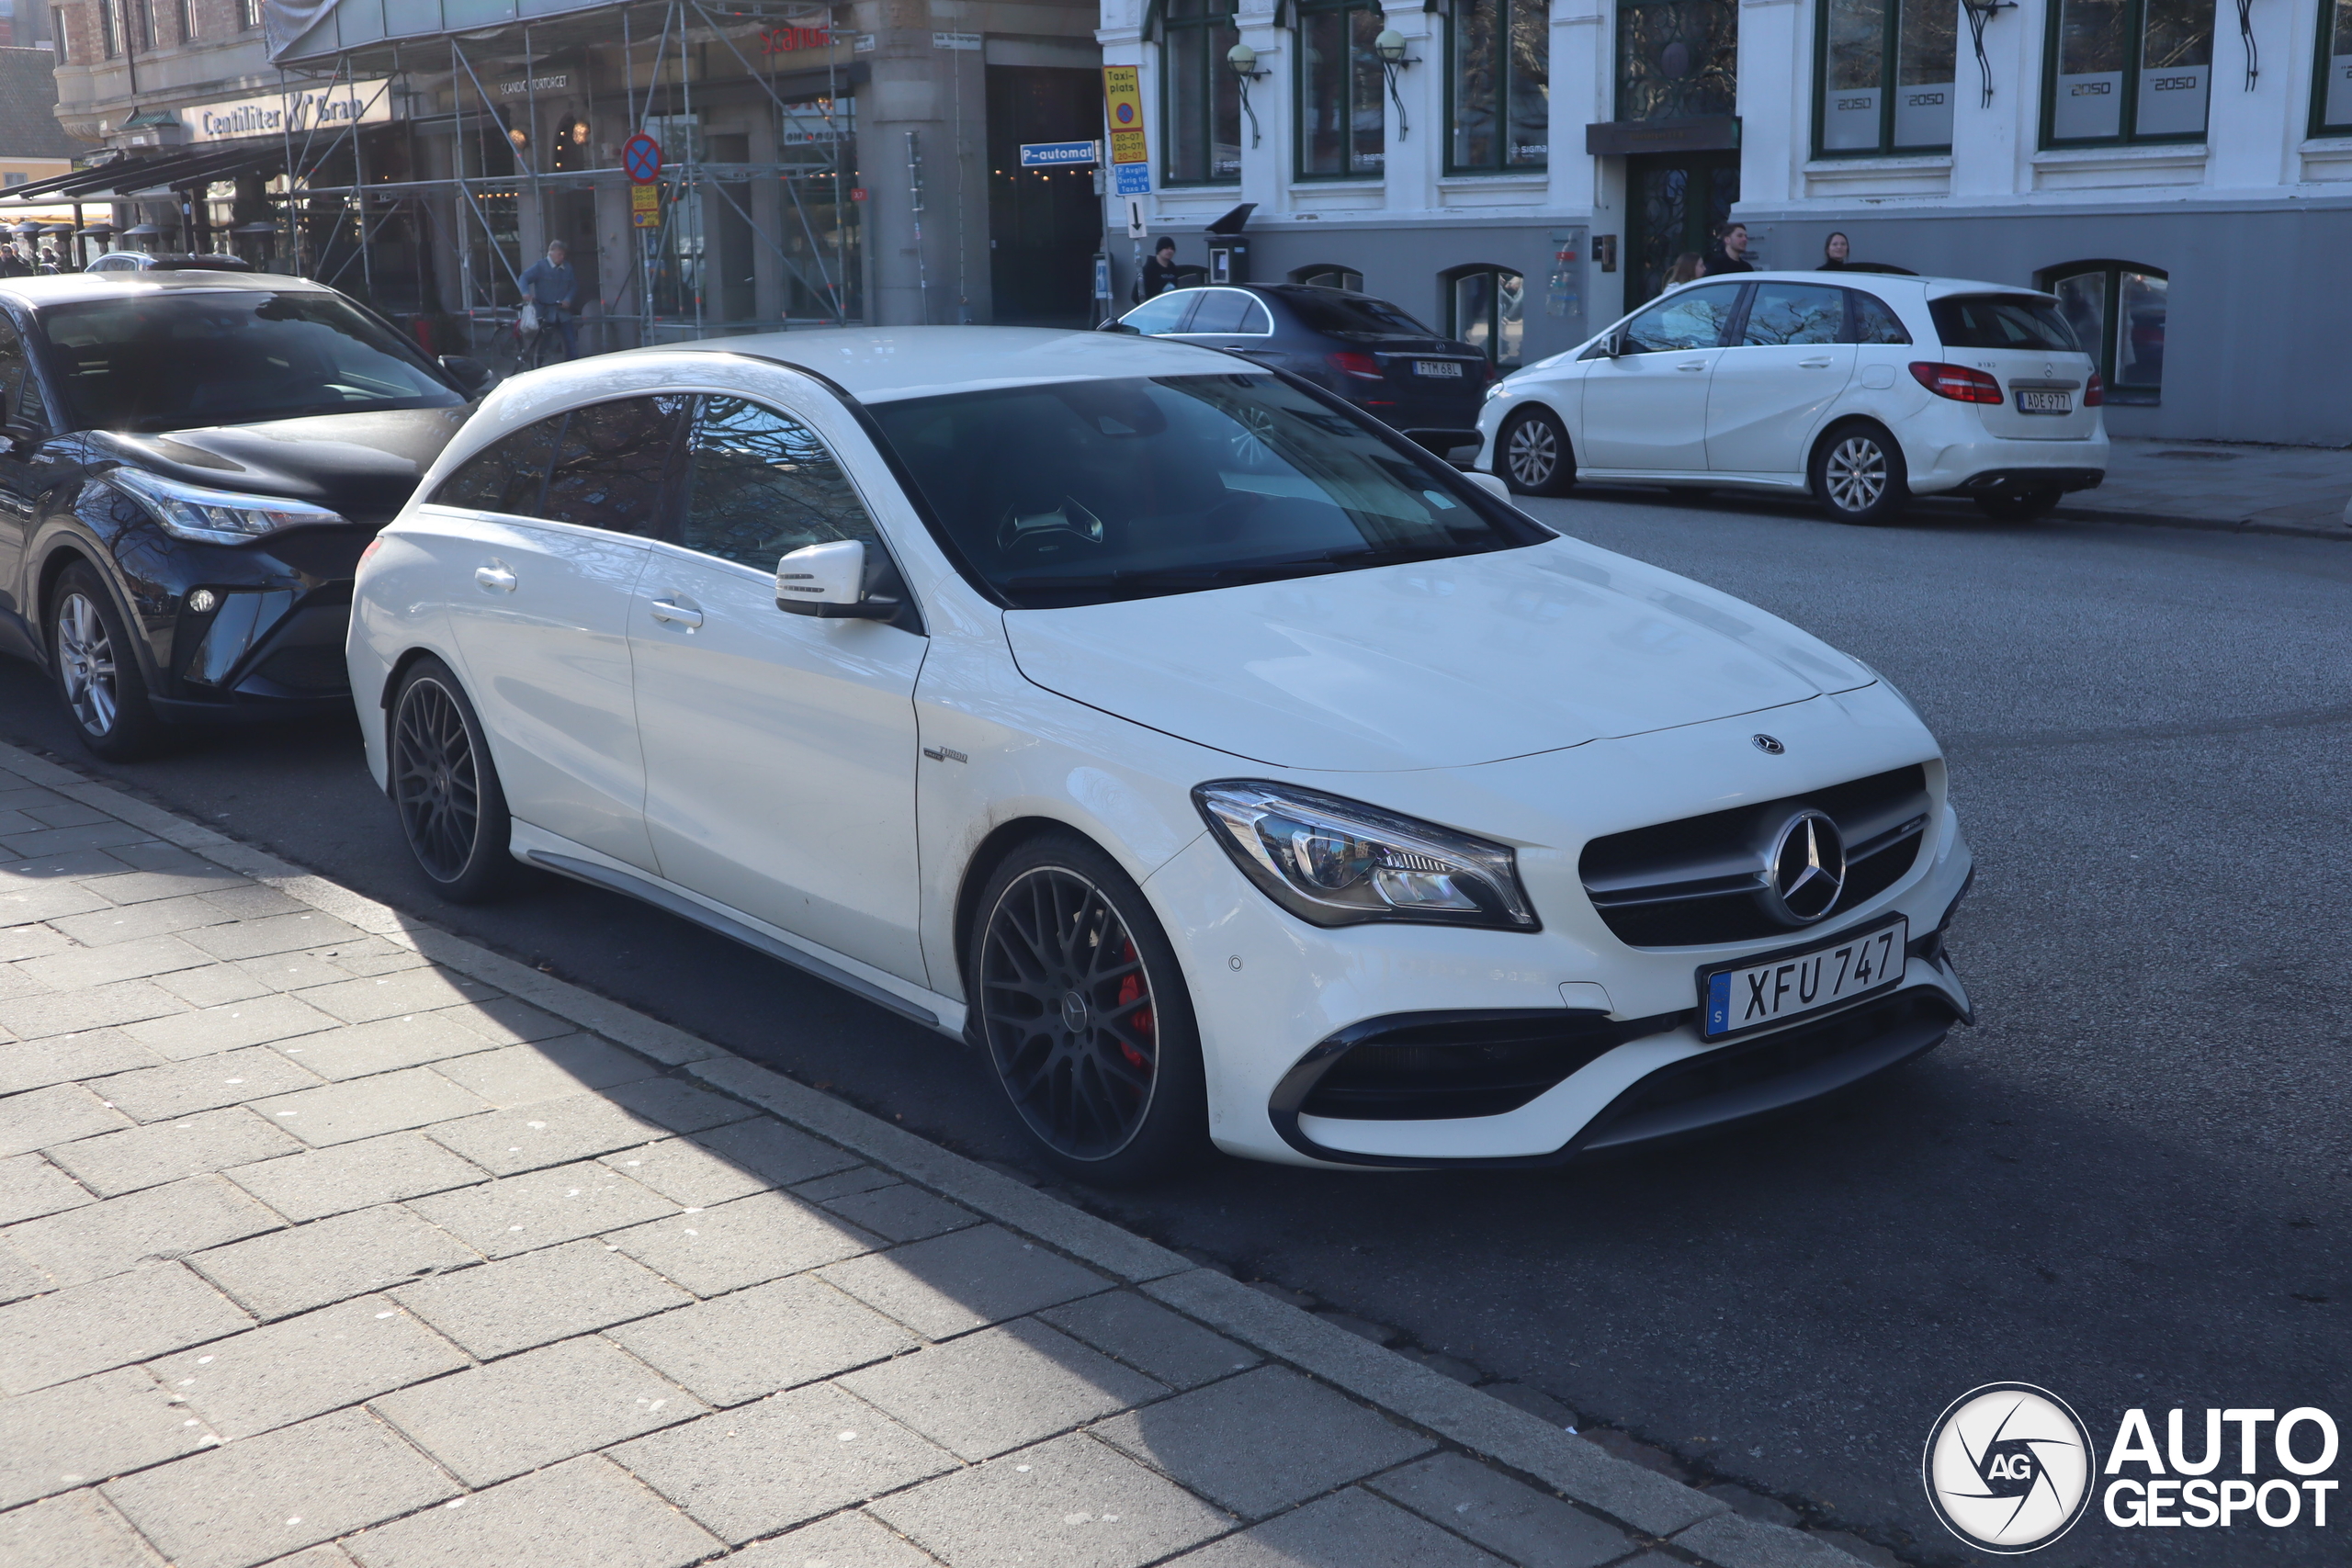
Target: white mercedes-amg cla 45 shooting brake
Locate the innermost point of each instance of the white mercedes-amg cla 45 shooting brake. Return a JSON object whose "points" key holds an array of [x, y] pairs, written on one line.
{"points": [[1212, 758]]}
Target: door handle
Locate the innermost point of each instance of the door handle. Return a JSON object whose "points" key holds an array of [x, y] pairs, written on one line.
{"points": [[495, 577], [1692, 364], [670, 610], [1812, 365]]}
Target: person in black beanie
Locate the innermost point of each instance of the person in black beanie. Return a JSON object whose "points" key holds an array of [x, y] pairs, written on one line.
{"points": [[1159, 269]]}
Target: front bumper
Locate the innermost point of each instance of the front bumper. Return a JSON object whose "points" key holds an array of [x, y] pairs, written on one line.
{"points": [[1276, 998]]}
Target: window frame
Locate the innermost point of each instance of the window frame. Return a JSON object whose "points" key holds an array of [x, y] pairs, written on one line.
{"points": [[248, 15], [2110, 327], [184, 16], [1449, 282], [2323, 62], [1257, 304], [57, 30], [1215, 70], [1452, 14], [110, 29], [1890, 70], [1344, 10], [2128, 111]]}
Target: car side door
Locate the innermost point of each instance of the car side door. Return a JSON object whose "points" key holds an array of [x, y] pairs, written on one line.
{"points": [[542, 538], [1770, 388], [21, 467], [780, 748], [1646, 409]]}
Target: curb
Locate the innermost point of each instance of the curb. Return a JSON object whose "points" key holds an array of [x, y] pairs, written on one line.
{"points": [[2339, 531], [1697, 1528]]}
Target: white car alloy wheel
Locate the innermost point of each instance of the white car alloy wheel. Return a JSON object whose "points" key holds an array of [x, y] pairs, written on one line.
{"points": [[1534, 454], [1858, 474], [85, 668]]}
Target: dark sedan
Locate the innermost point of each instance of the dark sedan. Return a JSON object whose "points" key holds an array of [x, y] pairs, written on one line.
{"points": [[194, 461], [1363, 348]]}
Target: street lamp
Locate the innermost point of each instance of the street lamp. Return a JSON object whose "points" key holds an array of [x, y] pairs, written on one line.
{"points": [[1390, 46], [1244, 63]]}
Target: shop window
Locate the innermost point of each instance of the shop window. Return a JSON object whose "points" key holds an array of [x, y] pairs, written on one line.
{"points": [[1499, 84], [1322, 276], [2332, 77], [1482, 309], [1883, 82], [1677, 59], [2117, 310], [1341, 129], [2128, 71], [1199, 95]]}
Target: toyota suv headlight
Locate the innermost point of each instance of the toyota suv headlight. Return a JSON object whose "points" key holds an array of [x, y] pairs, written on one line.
{"points": [[216, 517], [1340, 862]]}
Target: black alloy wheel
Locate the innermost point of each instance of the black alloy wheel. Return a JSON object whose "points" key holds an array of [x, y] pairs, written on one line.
{"points": [[97, 670], [445, 787], [1858, 475], [1531, 454], [1085, 1017], [2020, 506]]}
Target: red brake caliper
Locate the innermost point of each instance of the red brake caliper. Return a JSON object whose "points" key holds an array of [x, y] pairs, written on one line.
{"points": [[1131, 990]]}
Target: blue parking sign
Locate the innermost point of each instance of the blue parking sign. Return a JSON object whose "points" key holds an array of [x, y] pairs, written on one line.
{"points": [[1135, 179]]}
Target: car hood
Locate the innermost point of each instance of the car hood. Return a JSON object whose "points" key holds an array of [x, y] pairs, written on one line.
{"points": [[1430, 665], [362, 464]]}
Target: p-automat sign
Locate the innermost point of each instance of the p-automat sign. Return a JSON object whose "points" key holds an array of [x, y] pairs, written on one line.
{"points": [[295, 113]]}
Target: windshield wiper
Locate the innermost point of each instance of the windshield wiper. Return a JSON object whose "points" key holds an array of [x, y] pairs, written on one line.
{"points": [[1149, 578]]}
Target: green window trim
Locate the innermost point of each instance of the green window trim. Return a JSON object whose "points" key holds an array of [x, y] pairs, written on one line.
{"points": [[1511, 68], [1908, 51], [1200, 97], [2332, 71], [1338, 36], [2132, 304], [1486, 308], [2148, 104]]}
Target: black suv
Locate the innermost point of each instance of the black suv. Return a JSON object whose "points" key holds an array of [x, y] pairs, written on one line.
{"points": [[1365, 349], [193, 462]]}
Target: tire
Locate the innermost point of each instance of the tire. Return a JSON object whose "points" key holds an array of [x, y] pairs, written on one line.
{"points": [[1533, 455], [96, 666], [1100, 1060], [445, 787], [1858, 475], [2019, 507]]}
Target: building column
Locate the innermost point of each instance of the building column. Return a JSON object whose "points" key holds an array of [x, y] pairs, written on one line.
{"points": [[940, 97], [1992, 144]]}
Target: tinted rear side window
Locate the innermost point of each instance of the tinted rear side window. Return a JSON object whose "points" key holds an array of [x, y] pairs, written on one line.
{"points": [[506, 476], [2001, 320], [1328, 310], [1872, 321], [613, 462]]}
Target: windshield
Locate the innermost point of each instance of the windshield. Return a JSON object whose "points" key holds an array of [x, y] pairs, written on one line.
{"points": [[1328, 310], [229, 356], [1085, 491], [2002, 321]]}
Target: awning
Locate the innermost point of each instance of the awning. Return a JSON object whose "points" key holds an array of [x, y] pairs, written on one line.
{"points": [[126, 176]]}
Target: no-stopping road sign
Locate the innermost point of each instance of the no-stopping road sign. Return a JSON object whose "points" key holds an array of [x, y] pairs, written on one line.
{"points": [[641, 156]]}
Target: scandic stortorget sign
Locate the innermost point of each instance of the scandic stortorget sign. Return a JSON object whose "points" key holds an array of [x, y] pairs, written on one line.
{"points": [[295, 113]]}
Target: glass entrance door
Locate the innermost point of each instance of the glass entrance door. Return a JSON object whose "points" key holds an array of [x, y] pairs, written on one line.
{"points": [[1673, 202]]}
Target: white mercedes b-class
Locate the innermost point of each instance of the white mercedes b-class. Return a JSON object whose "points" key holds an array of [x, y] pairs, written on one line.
{"points": [[1209, 756]]}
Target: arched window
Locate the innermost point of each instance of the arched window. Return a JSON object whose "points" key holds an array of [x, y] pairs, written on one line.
{"points": [[1482, 309], [1323, 276], [2117, 310]]}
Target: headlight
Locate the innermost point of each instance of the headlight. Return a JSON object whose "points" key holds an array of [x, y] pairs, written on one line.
{"points": [[1340, 862], [215, 516], [1495, 389]]}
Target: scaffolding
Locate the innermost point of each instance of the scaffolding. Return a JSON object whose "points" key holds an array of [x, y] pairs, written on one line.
{"points": [[464, 223]]}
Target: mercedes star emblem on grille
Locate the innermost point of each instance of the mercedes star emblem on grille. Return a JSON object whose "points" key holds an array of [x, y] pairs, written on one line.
{"points": [[1805, 869], [1770, 745]]}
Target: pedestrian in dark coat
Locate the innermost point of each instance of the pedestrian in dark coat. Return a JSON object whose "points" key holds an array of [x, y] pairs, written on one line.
{"points": [[1159, 270], [1730, 253], [1837, 252]]}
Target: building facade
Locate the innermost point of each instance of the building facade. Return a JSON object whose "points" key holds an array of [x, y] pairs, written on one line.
{"points": [[1521, 172]]}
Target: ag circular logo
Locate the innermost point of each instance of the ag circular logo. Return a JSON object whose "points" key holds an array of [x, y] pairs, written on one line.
{"points": [[2009, 1468]]}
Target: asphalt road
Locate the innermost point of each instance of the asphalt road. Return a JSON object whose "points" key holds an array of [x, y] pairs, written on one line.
{"points": [[2132, 1184]]}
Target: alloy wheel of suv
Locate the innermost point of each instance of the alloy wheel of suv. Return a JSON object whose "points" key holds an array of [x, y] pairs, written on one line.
{"points": [[452, 811], [1858, 476], [1533, 455], [97, 671], [1077, 997]]}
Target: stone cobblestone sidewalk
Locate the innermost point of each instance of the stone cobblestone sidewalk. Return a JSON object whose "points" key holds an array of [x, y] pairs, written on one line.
{"points": [[327, 1238], [2213, 484]]}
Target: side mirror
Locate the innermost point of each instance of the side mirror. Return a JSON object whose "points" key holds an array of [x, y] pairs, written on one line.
{"points": [[1613, 344], [829, 579], [1491, 484], [470, 374]]}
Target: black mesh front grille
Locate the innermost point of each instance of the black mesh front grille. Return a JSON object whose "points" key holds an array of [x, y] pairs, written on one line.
{"points": [[1431, 1066], [308, 669], [1695, 882]]}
